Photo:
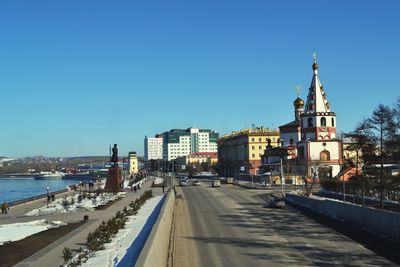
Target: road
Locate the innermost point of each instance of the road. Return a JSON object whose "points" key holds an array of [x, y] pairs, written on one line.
{"points": [[230, 226]]}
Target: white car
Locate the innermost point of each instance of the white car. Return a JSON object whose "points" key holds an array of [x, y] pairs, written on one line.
{"points": [[216, 183]]}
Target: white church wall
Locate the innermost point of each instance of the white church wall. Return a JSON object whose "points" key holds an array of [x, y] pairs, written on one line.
{"points": [[317, 147]]}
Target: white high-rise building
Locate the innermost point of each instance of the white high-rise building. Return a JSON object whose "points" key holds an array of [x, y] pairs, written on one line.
{"points": [[153, 148], [178, 142]]}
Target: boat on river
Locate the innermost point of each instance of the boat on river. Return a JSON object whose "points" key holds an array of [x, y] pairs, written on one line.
{"points": [[50, 175]]}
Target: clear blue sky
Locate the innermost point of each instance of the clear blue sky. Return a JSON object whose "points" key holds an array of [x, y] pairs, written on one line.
{"points": [[76, 76]]}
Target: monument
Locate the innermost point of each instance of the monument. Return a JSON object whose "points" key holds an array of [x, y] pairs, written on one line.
{"points": [[114, 175]]}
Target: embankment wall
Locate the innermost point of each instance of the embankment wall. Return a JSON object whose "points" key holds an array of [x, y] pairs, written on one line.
{"points": [[155, 251], [381, 222]]}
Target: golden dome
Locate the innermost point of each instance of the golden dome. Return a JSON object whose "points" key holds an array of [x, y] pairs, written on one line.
{"points": [[315, 66], [298, 103]]}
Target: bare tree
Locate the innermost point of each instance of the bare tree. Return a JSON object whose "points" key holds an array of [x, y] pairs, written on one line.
{"points": [[383, 128]]}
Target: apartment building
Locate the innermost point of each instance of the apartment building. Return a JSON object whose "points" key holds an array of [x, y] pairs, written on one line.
{"points": [[240, 152]]}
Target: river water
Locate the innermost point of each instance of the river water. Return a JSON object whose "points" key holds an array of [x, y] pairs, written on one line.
{"points": [[16, 189]]}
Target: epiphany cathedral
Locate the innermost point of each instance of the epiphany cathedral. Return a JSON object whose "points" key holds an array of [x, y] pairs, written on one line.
{"points": [[309, 145]]}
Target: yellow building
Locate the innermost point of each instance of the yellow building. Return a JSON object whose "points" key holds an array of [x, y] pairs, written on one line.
{"points": [[133, 163], [240, 152]]}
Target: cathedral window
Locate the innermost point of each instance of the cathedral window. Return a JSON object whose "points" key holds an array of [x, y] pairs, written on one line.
{"points": [[324, 155], [333, 122], [323, 121], [310, 122]]}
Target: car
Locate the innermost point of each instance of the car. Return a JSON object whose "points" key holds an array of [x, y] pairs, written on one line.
{"points": [[183, 182], [216, 183], [278, 203], [222, 179], [196, 182]]}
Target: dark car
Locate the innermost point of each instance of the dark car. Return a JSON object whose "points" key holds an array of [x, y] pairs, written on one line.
{"points": [[278, 203]]}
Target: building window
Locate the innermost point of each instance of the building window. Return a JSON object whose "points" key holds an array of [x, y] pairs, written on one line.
{"points": [[333, 122], [310, 122], [323, 122], [252, 139], [291, 141], [253, 147], [324, 155], [259, 139], [253, 155], [301, 152]]}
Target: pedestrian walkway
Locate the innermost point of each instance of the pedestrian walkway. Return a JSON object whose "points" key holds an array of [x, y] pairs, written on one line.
{"points": [[52, 255]]}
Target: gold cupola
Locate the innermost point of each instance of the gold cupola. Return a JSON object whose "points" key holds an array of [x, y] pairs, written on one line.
{"points": [[298, 103]]}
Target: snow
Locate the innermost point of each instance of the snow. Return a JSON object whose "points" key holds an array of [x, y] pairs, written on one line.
{"points": [[17, 231], [125, 237], [86, 204], [158, 180]]}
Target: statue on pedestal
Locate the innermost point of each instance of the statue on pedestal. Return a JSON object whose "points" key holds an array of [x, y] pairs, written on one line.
{"points": [[114, 157]]}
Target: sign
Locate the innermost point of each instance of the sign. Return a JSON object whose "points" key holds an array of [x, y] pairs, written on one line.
{"points": [[242, 168], [183, 167]]}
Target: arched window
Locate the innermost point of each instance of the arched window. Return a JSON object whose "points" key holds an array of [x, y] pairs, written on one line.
{"points": [[333, 122], [310, 122], [324, 155], [323, 121]]}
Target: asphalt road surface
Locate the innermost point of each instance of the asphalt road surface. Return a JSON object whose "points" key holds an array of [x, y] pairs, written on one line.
{"points": [[231, 226]]}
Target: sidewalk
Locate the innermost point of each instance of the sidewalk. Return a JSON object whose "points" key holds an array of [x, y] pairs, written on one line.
{"points": [[52, 255]]}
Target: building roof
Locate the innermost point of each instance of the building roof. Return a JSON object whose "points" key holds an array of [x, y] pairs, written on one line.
{"points": [[316, 99], [250, 132]]}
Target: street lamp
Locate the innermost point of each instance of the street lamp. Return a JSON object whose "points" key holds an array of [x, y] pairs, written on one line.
{"points": [[48, 198]]}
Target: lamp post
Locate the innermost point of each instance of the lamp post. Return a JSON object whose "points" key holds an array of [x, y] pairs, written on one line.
{"points": [[361, 135], [48, 199], [344, 191]]}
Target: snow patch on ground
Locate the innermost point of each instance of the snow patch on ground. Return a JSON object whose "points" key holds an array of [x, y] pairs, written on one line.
{"points": [[75, 204], [158, 180], [17, 231], [125, 237]]}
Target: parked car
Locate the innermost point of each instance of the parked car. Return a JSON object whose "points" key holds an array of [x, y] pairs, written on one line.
{"points": [[216, 183], [196, 182], [278, 203]]}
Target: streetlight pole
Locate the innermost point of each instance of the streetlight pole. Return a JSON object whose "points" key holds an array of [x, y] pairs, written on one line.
{"points": [[48, 199], [281, 177], [344, 191]]}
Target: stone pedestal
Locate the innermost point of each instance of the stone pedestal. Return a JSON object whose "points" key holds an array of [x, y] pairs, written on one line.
{"points": [[114, 180]]}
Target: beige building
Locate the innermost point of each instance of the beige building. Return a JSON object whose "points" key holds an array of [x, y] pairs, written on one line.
{"points": [[240, 152], [133, 163]]}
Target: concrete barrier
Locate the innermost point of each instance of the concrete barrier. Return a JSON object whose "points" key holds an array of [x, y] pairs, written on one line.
{"points": [[381, 222], [155, 250]]}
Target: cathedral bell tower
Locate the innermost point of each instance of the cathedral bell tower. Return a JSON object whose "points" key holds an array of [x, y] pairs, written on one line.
{"points": [[318, 121], [319, 149]]}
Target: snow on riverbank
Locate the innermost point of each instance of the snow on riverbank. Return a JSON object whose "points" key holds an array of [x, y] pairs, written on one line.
{"points": [[77, 202], [125, 237], [17, 231]]}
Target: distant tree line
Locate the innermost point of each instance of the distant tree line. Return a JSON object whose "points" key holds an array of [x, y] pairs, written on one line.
{"points": [[376, 140]]}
